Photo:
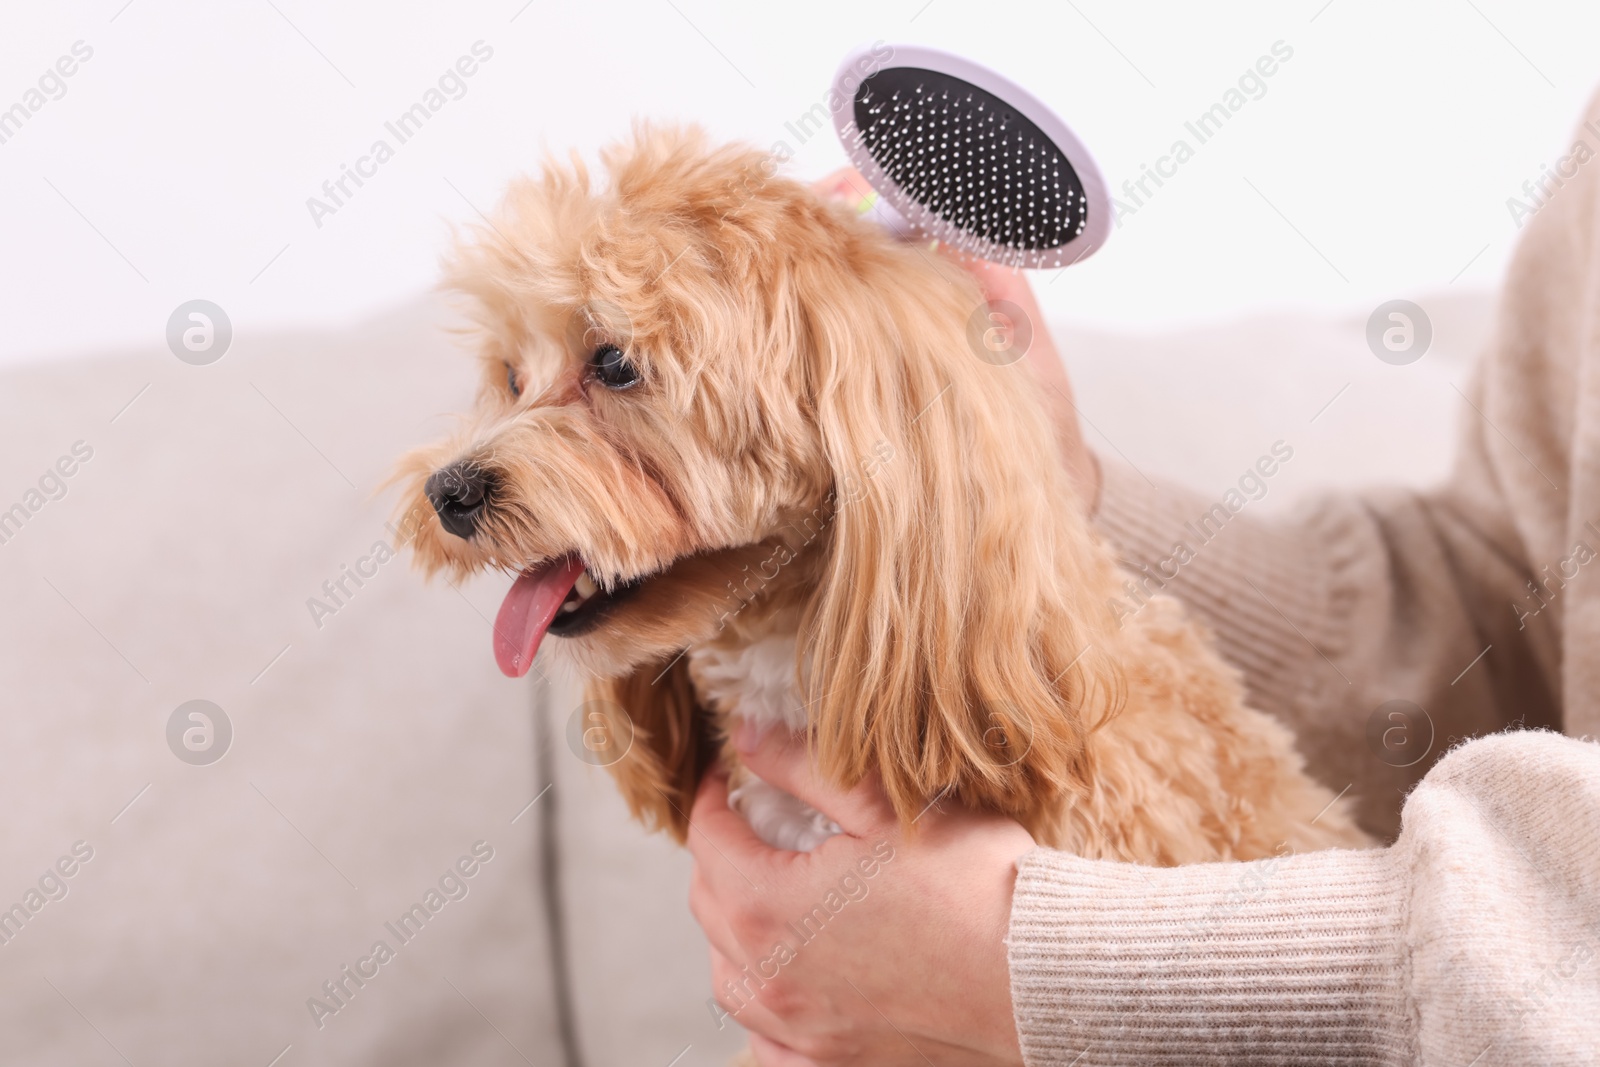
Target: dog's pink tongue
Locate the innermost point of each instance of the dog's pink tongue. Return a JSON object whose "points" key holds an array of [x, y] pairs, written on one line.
{"points": [[527, 610]]}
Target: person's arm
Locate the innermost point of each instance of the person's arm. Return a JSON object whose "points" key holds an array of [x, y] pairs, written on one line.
{"points": [[1471, 940], [1363, 598], [1360, 599]]}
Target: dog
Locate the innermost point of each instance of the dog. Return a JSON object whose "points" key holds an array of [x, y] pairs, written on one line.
{"points": [[735, 443]]}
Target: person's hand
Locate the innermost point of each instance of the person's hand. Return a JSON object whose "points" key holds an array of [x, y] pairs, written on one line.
{"points": [[874, 948], [1009, 284]]}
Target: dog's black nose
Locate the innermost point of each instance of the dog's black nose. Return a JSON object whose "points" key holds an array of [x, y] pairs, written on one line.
{"points": [[458, 493]]}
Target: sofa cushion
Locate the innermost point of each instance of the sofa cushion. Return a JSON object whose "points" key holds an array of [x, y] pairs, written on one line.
{"points": [[371, 747]]}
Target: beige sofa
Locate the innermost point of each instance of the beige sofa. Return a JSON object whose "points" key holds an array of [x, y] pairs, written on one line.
{"points": [[374, 747]]}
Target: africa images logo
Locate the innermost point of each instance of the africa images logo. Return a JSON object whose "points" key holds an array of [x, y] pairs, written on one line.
{"points": [[451, 85], [453, 885], [51, 486]]}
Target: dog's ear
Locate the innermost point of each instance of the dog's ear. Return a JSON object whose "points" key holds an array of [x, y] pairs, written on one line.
{"points": [[952, 636], [667, 739]]}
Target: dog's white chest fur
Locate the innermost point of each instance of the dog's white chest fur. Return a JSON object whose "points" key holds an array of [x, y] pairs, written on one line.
{"points": [[757, 680]]}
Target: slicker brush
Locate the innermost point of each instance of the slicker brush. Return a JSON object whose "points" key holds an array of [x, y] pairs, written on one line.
{"points": [[958, 154]]}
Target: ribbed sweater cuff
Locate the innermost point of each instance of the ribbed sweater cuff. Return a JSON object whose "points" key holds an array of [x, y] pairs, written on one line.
{"points": [[1291, 960], [1273, 592]]}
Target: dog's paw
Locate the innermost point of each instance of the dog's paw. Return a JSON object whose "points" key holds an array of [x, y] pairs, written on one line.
{"points": [[781, 820]]}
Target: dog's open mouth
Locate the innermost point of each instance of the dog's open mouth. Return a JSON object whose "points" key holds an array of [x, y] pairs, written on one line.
{"points": [[557, 597]]}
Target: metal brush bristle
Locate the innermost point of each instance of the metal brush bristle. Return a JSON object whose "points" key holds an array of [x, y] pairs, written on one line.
{"points": [[980, 177]]}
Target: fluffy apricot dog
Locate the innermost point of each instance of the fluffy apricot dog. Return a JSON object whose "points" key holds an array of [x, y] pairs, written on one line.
{"points": [[736, 444]]}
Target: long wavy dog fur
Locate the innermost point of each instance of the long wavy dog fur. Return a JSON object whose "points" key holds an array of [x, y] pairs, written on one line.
{"points": [[817, 504]]}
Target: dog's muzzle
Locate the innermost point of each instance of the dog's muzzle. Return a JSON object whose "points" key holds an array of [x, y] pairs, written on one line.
{"points": [[460, 494]]}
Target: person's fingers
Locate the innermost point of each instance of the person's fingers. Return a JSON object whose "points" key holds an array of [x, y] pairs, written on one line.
{"points": [[779, 758], [708, 911], [1002, 283], [769, 1053], [740, 869], [844, 184], [739, 995], [1012, 286], [728, 854]]}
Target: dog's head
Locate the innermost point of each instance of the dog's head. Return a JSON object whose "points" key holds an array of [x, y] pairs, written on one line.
{"points": [[706, 391]]}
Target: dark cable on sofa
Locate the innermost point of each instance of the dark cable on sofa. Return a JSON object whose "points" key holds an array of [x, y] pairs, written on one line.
{"points": [[550, 879]]}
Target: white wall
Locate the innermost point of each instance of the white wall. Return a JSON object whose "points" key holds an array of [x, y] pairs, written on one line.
{"points": [[194, 135]]}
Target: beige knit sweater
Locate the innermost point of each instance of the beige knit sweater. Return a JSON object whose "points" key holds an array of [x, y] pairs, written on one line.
{"points": [[1474, 939]]}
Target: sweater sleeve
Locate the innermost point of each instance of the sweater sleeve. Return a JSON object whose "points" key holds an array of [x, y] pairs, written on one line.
{"points": [[1427, 596], [1471, 940], [1332, 612]]}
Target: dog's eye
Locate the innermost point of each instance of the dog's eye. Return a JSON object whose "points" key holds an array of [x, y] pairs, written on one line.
{"points": [[612, 369], [511, 380]]}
